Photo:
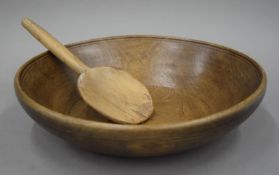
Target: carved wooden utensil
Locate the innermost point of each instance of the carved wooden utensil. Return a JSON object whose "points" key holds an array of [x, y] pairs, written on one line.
{"points": [[112, 92]]}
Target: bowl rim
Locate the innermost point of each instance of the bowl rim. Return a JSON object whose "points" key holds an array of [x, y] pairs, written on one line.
{"points": [[77, 122]]}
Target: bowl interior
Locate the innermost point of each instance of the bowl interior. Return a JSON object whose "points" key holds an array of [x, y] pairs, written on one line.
{"points": [[187, 79]]}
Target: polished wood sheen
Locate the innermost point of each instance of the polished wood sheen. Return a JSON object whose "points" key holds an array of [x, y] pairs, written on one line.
{"points": [[200, 92], [112, 92]]}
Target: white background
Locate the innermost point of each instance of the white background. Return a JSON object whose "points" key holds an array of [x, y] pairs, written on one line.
{"points": [[246, 25]]}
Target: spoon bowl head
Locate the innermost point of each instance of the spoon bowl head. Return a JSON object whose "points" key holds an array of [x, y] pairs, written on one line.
{"points": [[115, 94]]}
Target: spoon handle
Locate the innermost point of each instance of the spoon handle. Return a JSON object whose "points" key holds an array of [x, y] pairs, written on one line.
{"points": [[53, 45]]}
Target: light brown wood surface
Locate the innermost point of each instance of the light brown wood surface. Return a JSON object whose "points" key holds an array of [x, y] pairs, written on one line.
{"points": [[116, 94], [112, 92], [54, 46], [200, 92]]}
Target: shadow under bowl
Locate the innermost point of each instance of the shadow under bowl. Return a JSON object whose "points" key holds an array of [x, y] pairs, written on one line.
{"points": [[200, 92]]}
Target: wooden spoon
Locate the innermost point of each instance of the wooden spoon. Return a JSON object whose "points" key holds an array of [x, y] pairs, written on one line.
{"points": [[112, 92]]}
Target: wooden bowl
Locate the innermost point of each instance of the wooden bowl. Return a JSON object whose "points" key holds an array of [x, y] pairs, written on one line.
{"points": [[200, 91]]}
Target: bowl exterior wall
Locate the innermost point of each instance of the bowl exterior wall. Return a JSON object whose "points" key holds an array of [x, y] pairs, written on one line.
{"points": [[142, 143]]}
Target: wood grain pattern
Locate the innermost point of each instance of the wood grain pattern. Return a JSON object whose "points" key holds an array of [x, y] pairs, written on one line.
{"points": [[112, 92], [116, 94], [200, 92]]}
